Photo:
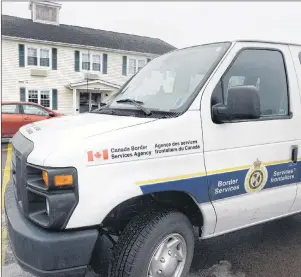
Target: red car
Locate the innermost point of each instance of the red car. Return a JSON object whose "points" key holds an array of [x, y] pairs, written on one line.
{"points": [[15, 114]]}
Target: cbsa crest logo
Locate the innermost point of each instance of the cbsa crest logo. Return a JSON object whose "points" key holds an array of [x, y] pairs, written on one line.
{"points": [[256, 178]]}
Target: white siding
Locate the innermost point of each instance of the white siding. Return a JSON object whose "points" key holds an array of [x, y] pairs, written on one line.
{"points": [[14, 77]]}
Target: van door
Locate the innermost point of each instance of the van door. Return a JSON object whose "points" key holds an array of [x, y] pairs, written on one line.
{"points": [[249, 164], [296, 55]]}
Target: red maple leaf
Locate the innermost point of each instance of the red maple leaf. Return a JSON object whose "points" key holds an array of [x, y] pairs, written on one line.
{"points": [[97, 155]]}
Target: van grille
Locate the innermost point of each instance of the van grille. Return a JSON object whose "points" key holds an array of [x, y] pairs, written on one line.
{"points": [[21, 148], [16, 169]]}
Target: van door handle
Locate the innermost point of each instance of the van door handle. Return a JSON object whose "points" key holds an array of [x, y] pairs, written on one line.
{"points": [[295, 154], [27, 118]]}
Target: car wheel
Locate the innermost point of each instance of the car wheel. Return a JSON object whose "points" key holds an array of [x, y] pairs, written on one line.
{"points": [[155, 243]]}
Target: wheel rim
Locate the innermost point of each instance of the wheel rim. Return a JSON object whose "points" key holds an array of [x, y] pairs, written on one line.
{"points": [[168, 260]]}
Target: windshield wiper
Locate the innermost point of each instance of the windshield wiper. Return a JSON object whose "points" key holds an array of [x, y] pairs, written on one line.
{"points": [[136, 103]]}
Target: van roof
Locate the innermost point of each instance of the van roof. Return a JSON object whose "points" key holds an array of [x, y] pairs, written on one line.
{"points": [[286, 42], [283, 42], [247, 40]]}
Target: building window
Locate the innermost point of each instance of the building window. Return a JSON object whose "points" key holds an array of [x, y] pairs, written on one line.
{"points": [[44, 13], [96, 62], [85, 62], [38, 57], [32, 56], [141, 63], [44, 57], [41, 97], [132, 66], [33, 96], [45, 98], [88, 59], [135, 65]]}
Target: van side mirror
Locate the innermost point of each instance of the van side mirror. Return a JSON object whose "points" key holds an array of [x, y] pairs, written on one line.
{"points": [[243, 103], [51, 114]]}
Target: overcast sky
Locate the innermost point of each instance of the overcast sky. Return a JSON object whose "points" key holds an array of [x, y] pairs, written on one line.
{"points": [[182, 23]]}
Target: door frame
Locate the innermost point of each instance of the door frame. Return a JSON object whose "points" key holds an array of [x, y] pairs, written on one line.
{"points": [[205, 98], [90, 92]]}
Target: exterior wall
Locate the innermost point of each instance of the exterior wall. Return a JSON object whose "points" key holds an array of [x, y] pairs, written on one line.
{"points": [[14, 77]]}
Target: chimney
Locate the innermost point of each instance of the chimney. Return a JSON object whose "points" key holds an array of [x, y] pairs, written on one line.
{"points": [[46, 12]]}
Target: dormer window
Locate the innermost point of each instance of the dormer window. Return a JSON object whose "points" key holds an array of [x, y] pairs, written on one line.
{"points": [[45, 11]]}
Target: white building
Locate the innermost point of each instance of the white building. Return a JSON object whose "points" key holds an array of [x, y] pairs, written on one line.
{"points": [[68, 68]]}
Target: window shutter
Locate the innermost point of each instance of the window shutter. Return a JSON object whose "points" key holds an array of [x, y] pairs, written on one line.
{"points": [[76, 61], [148, 60], [104, 63], [54, 99], [54, 58], [21, 55], [22, 94], [124, 65], [300, 57]]}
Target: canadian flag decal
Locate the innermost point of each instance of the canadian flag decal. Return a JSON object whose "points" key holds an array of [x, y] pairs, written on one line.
{"points": [[97, 155]]}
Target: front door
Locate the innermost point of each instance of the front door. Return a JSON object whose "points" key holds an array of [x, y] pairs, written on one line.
{"points": [[84, 102], [89, 101], [250, 171]]}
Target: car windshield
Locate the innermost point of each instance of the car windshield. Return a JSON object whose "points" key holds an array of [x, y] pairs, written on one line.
{"points": [[169, 81]]}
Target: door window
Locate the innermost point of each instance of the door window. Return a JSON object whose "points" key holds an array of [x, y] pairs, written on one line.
{"points": [[264, 69], [34, 110], [10, 108]]}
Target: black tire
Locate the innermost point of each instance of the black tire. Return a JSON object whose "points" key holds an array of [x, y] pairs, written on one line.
{"points": [[142, 236]]}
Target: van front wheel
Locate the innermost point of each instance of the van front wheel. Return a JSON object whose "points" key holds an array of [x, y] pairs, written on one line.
{"points": [[155, 243]]}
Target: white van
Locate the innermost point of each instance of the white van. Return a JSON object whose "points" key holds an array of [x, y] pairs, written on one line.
{"points": [[201, 142]]}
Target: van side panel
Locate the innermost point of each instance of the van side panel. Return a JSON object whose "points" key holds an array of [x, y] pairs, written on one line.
{"points": [[163, 155]]}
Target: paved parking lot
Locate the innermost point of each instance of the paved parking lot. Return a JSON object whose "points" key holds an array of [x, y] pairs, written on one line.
{"points": [[269, 250]]}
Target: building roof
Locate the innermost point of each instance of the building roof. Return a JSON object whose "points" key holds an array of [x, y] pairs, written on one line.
{"points": [[83, 83], [26, 28]]}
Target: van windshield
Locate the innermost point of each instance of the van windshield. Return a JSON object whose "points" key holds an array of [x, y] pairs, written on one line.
{"points": [[168, 82]]}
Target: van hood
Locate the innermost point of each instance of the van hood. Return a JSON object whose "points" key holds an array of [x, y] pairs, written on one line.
{"points": [[78, 127], [51, 134]]}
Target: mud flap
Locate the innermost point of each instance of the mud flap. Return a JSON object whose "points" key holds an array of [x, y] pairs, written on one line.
{"points": [[102, 254]]}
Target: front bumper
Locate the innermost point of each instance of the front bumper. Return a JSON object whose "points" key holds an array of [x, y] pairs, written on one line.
{"points": [[43, 252]]}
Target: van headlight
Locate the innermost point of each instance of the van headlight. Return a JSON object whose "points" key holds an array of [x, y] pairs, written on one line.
{"points": [[52, 195]]}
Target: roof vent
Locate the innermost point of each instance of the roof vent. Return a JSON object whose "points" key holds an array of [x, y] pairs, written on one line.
{"points": [[45, 11]]}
